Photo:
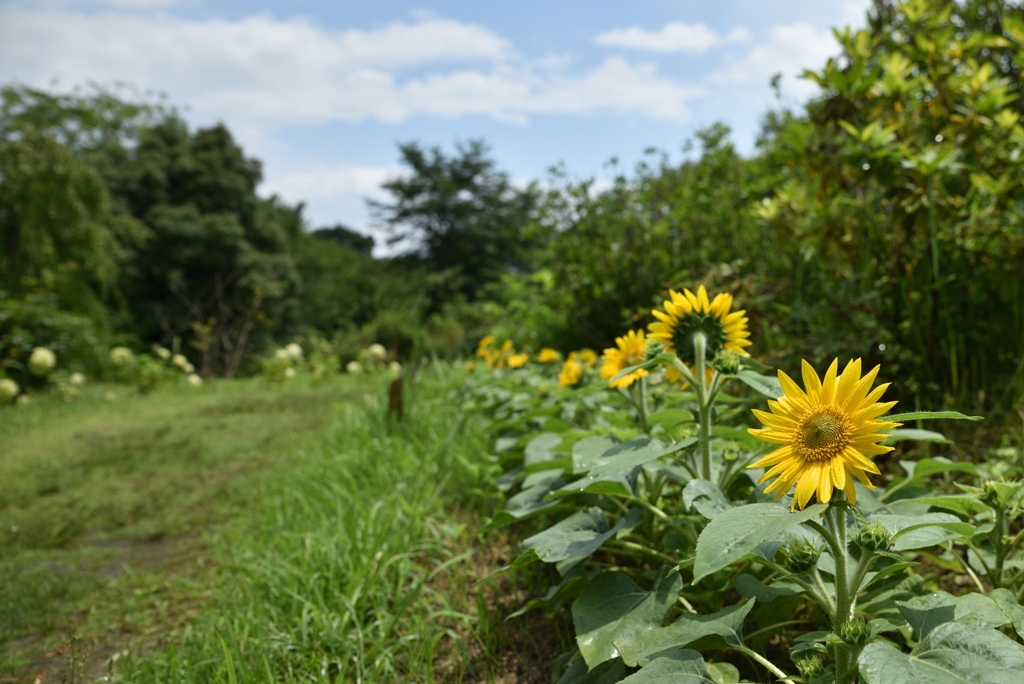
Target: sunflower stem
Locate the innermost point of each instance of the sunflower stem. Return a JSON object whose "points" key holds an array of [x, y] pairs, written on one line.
{"points": [[858, 575], [835, 517], [768, 665], [820, 597], [700, 345], [829, 604], [642, 407]]}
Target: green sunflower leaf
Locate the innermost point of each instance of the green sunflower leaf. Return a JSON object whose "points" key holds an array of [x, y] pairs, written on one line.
{"points": [[578, 535], [587, 452], [529, 502], [723, 629], [921, 531], [914, 435], [733, 534], [925, 613], [613, 607], [767, 385], [608, 672], [681, 667], [929, 415], [670, 418], [952, 653]]}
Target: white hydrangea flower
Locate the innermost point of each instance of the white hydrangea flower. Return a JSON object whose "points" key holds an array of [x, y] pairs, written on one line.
{"points": [[294, 351], [282, 354], [163, 352], [289, 372], [8, 389], [394, 369], [76, 379], [180, 361], [41, 361], [120, 356], [377, 351], [354, 367], [194, 380]]}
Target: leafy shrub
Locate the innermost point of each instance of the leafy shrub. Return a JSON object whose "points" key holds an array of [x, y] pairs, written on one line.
{"points": [[37, 321]]}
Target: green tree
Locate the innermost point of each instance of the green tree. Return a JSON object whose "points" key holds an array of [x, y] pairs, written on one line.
{"points": [[615, 251], [217, 269], [342, 235], [460, 214], [338, 283], [902, 195]]}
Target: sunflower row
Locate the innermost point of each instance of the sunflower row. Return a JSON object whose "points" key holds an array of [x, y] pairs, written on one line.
{"points": [[674, 510]]}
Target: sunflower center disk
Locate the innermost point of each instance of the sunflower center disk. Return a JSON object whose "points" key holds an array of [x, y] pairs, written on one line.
{"points": [[823, 434], [691, 324], [632, 360]]}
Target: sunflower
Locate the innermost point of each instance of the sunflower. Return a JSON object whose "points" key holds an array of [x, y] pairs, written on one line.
{"points": [[687, 314], [484, 346], [588, 357], [548, 355], [629, 351], [518, 360], [570, 374], [499, 359], [828, 432]]}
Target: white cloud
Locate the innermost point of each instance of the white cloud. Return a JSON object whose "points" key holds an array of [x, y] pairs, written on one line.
{"points": [[139, 4], [673, 37], [271, 73], [336, 194], [330, 182], [787, 49], [852, 12]]}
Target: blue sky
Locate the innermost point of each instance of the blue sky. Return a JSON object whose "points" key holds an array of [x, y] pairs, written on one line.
{"points": [[322, 91]]}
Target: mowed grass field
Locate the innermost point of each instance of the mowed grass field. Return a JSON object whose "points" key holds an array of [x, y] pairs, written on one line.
{"points": [[106, 504], [244, 532]]}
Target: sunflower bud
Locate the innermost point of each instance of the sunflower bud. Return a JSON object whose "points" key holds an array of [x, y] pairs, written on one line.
{"points": [[855, 632], [873, 537], [653, 349], [809, 665], [727, 361], [991, 495], [801, 557]]}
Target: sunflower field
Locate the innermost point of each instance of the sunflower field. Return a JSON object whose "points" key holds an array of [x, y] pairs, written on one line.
{"points": [[706, 519]]}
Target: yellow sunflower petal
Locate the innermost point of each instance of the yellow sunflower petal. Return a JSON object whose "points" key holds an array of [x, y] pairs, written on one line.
{"points": [[825, 484], [838, 473], [847, 381], [702, 300], [812, 385], [851, 491], [807, 485], [828, 383]]}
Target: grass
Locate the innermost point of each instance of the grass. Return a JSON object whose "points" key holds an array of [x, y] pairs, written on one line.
{"points": [[106, 501], [362, 566], [247, 534]]}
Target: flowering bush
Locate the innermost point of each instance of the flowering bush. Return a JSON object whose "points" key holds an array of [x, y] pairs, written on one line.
{"points": [[693, 548], [147, 371]]}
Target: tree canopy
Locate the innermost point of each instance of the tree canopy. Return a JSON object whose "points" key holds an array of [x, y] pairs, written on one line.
{"points": [[459, 214]]}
